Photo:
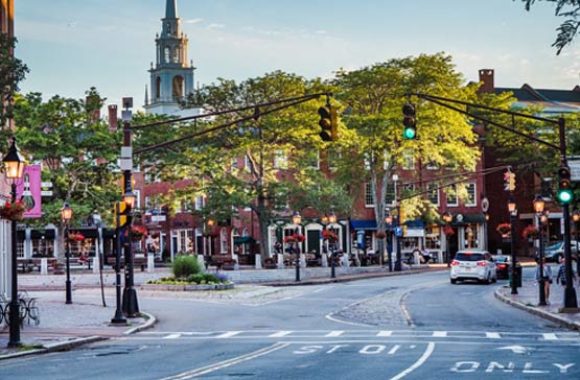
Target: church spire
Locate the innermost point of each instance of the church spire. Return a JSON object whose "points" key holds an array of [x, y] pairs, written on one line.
{"points": [[171, 9]]}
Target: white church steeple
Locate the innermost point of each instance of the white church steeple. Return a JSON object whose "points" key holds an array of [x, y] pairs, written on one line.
{"points": [[172, 74]]}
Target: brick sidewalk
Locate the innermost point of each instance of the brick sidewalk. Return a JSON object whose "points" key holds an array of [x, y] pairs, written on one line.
{"points": [[528, 297]]}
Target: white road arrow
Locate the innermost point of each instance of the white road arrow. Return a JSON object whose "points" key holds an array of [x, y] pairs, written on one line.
{"points": [[515, 349]]}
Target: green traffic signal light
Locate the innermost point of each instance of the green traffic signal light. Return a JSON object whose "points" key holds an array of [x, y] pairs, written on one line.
{"points": [[565, 196], [409, 133]]}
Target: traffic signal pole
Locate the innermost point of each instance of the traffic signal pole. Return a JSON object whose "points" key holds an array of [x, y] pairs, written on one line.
{"points": [[570, 298]]}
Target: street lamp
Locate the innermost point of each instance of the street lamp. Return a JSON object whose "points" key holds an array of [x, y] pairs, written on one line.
{"points": [[13, 170], [130, 302], [297, 220], [66, 215], [539, 209], [389, 222], [513, 212], [447, 218], [118, 318]]}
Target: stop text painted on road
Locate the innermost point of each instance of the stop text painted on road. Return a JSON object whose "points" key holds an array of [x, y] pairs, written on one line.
{"points": [[369, 349]]}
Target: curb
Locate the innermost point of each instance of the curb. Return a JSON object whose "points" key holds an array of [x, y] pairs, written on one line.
{"points": [[541, 313], [151, 321], [346, 278], [61, 346]]}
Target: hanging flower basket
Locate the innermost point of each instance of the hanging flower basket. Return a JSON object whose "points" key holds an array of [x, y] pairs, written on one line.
{"points": [[504, 229], [76, 236], [330, 235], [448, 231], [296, 238], [138, 232], [13, 211], [530, 232]]}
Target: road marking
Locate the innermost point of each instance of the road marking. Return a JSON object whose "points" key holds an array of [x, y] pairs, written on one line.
{"points": [[333, 334], [227, 363], [492, 335], [384, 333], [172, 336], [418, 363], [280, 334], [334, 319], [439, 334], [228, 334], [550, 336], [394, 349]]}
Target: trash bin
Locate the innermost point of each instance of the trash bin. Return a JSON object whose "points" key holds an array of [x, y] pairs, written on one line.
{"points": [[518, 276]]}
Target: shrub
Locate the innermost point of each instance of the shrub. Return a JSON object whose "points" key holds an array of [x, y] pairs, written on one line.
{"points": [[205, 278], [185, 266]]}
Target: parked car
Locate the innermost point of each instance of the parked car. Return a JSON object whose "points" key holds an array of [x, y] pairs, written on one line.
{"points": [[502, 266], [554, 252], [473, 265]]}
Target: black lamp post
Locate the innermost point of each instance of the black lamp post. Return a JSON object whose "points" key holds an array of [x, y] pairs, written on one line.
{"points": [[13, 170], [513, 212], [130, 302], [389, 222], [539, 209], [66, 215], [447, 218], [576, 219], [118, 318], [296, 220]]}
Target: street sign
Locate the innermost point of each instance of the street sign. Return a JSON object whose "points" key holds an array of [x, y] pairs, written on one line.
{"points": [[158, 218], [398, 231], [46, 193], [574, 165]]}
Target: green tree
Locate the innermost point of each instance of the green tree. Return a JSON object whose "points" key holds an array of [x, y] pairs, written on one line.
{"points": [[77, 151], [12, 71], [373, 97], [569, 29]]}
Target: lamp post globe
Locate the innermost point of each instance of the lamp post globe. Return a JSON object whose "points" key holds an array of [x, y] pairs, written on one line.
{"points": [[539, 204]]}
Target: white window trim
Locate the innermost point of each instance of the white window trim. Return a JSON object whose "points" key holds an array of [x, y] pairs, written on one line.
{"points": [[367, 186], [456, 203], [474, 204], [438, 203]]}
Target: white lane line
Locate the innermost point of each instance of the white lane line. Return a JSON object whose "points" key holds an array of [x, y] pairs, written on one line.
{"points": [[492, 335], [334, 319], [228, 334], [227, 363], [280, 334], [394, 349], [550, 336], [439, 334], [418, 363], [172, 336], [384, 333], [334, 334]]}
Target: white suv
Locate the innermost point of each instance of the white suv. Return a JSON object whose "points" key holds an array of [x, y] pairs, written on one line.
{"points": [[473, 265]]}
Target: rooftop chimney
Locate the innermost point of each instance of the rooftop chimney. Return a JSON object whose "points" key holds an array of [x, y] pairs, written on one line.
{"points": [[113, 117], [486, 80]]}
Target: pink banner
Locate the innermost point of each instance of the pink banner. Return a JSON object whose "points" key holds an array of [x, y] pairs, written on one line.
{"points": [[28, 190]]}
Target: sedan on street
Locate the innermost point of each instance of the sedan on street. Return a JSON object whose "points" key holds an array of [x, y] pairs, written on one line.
{"points": [[473, 265]]}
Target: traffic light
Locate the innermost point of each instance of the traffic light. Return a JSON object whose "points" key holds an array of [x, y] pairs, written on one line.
{"points": [[123, 210], [565, 194], [409, 122], [509, 179], [328, 123]]}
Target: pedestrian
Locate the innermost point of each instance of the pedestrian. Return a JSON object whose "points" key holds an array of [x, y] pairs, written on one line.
{"points": [[547, 277], [561, 276]]}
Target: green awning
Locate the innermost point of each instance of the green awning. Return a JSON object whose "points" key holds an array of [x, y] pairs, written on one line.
{"points": [[243, 240]]}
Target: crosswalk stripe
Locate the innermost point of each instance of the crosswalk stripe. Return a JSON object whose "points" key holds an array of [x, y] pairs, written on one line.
{"points": [[385, 333], [228, 334], [492, 335], [172, 336], [280, 334], [334, 334], [550, 336], [439, 334]]}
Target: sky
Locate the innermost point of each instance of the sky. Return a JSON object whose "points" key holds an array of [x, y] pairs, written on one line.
{"points": [[71, 45]]}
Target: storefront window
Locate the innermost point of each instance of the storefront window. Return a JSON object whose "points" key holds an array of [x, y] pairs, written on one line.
{"points": [[470, 236]]}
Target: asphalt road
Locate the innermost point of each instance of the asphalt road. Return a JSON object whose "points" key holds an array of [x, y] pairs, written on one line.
{"points": [[406, 327]]}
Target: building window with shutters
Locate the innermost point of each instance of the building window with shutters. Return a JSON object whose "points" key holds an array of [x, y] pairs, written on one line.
{"points": [[369, 195]]}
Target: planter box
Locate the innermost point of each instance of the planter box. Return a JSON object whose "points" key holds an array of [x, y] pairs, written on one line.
{"points": [[187, 288]]}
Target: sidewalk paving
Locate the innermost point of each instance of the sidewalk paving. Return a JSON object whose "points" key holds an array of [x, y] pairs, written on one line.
{"points": [[528, 297]]}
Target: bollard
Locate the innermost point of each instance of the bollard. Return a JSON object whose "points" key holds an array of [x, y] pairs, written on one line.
{"points": [[96, 263], [201, 261], [236, 261], [44, 266], [324, 260], [280, 263], [258, 261], [150, 262], [302, 260]]}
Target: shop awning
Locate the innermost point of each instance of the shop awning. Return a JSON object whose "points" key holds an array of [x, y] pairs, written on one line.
{"points": [[415, 224], [40, 234], [363, 224], [243, 240]]}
